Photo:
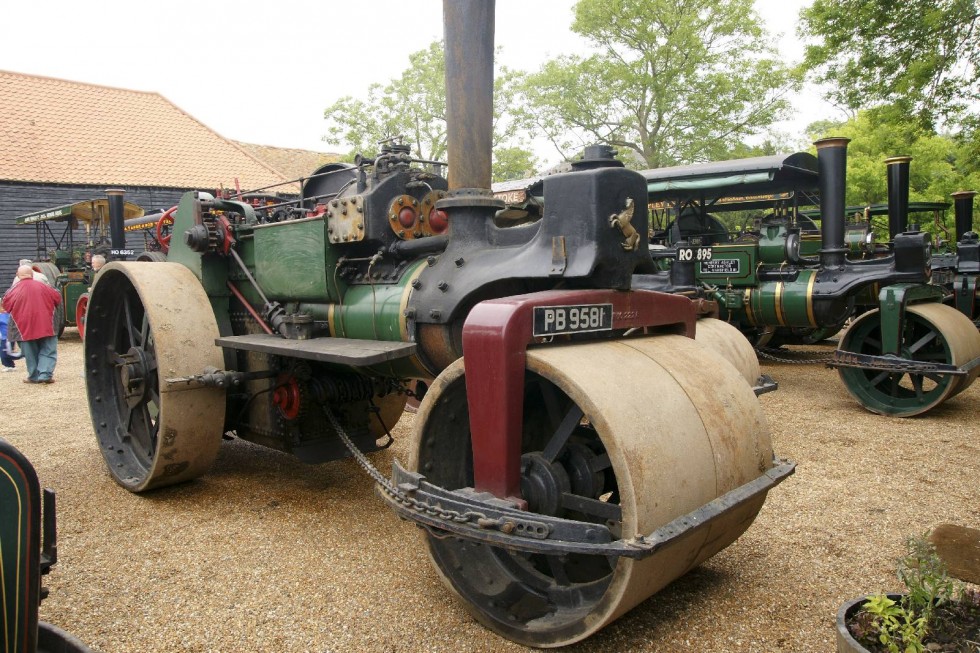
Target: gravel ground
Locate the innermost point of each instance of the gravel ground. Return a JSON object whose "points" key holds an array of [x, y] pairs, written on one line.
{"points": [[267, 554]]}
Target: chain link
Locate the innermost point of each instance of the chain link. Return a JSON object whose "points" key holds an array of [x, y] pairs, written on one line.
{"points": [[798, 357], [403, 498]]}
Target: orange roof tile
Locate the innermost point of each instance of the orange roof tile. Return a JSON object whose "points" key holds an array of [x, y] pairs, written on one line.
{"points": [[291, 162], [57, 131]]}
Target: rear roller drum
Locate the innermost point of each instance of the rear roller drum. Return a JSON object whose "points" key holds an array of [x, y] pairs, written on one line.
{"points": [[147, 322], [932, 332], [599, 447]]}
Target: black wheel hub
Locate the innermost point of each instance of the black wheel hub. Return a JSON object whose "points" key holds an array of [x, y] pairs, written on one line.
{"points": [[132, 367], [543, 483], [581, 463]]}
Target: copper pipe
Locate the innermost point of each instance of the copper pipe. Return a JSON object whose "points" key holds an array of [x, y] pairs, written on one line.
{"points": [[248, 307]]}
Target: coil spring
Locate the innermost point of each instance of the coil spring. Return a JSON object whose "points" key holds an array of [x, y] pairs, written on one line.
{"points": [[344, 389]]}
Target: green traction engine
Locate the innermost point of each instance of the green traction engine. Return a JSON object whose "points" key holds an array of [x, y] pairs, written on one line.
{"points": [[584, 440], [905, 351]]}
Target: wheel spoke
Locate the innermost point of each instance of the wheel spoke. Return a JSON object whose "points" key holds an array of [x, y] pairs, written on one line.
{"points": [[144, 331], [917, 384], [551, 402], [557, 567], [878, 378], [875, 345], [128, 321], [922, 342], [560, 438], [149, 442], [136, 428], [592, 507]]}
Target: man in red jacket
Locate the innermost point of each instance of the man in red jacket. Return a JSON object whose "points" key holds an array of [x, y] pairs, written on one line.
{"points": [[32, 304]]}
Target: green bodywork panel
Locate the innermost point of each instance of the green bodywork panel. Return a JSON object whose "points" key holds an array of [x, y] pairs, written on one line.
{"points": [[20, 535], [893, 301], [295, 261], [70, 294], [211, 269], [771, 303], [376, 313]]}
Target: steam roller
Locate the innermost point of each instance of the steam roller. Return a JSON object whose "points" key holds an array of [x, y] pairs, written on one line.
{"points": [[591, 431], [598, 449]]}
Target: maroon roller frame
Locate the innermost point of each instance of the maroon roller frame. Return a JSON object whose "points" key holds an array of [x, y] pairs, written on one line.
{"points": [[495, 339]]}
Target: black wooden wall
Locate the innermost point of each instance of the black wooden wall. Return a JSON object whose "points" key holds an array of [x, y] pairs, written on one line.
{"points": [[19, 241]]}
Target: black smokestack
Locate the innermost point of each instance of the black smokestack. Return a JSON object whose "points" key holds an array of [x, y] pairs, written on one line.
{"points": [[963, 203], [117, 233], [898, 195], [832, 166], [469, 91]]}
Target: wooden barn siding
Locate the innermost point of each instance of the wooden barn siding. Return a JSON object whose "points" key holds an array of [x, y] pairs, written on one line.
{"points": [[19, 241]]}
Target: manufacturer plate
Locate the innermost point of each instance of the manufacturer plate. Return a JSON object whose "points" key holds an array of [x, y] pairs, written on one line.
{"points": [[583, 318], [721, 266]]}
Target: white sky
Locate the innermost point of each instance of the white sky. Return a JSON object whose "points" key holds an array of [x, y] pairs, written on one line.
{"points": [[264, 72]]}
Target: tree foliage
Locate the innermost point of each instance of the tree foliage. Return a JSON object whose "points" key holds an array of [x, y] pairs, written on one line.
{"points": [[920, 55], [413, 106], [940, 164], [671, 82]]}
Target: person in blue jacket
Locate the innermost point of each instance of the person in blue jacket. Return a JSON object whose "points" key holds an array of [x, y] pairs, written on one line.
{"points": [[7, 355]]}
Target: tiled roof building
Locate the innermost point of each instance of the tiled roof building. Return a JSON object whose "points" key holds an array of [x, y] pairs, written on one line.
{"points": [[290, 162], [63, 142], [63, 132]]}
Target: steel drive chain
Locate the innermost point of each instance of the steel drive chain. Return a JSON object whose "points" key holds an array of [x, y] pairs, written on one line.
{"points": [[798, 358], [402, 497]]}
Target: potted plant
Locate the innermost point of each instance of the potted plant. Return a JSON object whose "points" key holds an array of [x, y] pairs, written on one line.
{"points": [[937, 613]]}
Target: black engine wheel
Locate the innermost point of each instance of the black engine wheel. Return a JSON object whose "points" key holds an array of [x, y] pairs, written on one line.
{"points": [[147, 322]]}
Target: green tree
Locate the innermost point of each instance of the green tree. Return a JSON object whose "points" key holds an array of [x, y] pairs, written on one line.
{"points": [[671, 81], [413, 106], [920, 55], [938, 166]]}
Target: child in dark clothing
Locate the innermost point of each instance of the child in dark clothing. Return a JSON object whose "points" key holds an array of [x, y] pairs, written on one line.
{"points": [[7, 355]]}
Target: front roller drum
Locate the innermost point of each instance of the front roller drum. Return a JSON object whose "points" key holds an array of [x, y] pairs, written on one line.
{"points": [[630, 434], [147, 322], [932, 333], [722, 338]]}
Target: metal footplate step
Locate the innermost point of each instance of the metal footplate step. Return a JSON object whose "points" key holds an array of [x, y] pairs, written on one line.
{"points": [[342, 351], [501, 524], [896, 364]]}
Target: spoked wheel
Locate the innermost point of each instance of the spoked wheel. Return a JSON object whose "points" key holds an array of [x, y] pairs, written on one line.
{"points": [[81, 308], [934, 333], [147, 322], [630, 434]]}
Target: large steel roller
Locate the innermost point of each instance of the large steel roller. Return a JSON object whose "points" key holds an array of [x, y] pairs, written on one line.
{"points": [[932, 333], [723, 338], [150, 322], [642, 454]]}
